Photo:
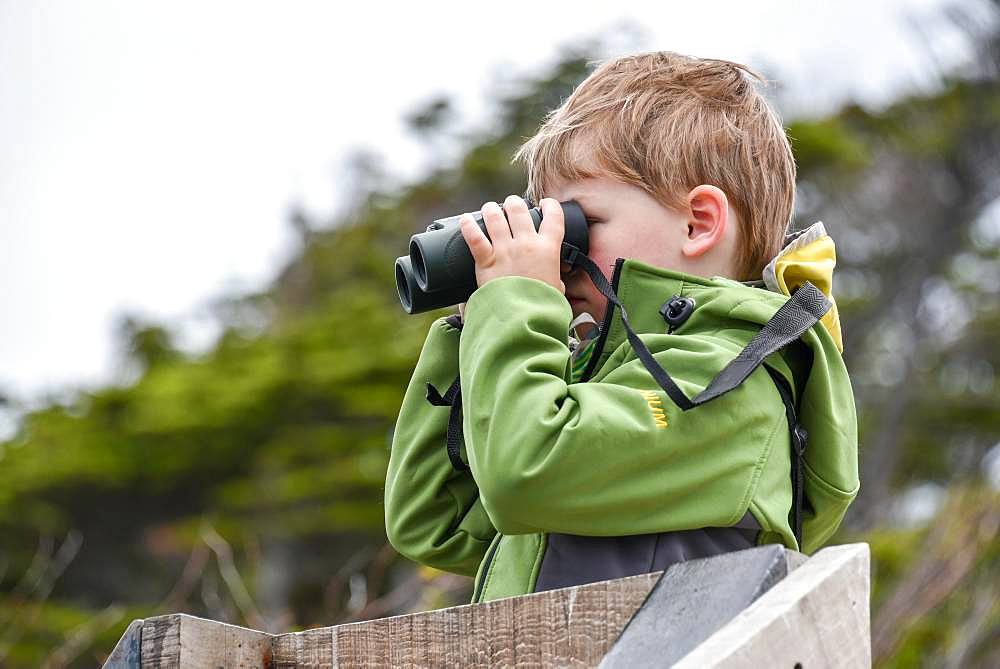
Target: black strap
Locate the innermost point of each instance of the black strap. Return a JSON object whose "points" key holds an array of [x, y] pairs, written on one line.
{"points": [[575, 257], [438, 400], [452, 398], [799, 438], [803, 310]]}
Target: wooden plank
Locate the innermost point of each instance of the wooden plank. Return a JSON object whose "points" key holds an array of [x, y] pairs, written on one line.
{"points": [[567, 627], [179, 640], [818, 616], [311, 649], [161, 642]]}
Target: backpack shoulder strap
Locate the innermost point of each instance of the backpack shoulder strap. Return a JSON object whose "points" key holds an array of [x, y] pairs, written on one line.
{"points": [[799, 438], [452, 398], [802, 311]]}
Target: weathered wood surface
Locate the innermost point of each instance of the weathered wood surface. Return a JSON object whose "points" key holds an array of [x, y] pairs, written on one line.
{"points": [[816, 617], [567, 627], [178, 640]]}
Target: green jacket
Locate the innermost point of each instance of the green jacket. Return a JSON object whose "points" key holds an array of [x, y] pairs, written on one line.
{"points": [[609, 455]]}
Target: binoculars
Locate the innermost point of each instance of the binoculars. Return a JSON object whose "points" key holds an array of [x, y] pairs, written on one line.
{"points": [[440, 270]]}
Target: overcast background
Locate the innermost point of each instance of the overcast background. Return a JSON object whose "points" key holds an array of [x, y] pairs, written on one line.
{"points": [[150, 152]]}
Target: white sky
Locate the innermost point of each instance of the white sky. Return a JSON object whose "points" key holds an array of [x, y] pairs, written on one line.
{"points": [[149, 151]]}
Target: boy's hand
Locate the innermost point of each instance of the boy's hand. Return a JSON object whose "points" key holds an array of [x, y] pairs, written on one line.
{"points": [[516, 248]]}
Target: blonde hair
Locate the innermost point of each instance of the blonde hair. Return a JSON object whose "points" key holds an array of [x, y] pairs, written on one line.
{"points": [[666, 123]]}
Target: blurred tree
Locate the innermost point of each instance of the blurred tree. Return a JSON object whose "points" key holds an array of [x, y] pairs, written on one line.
{"points": [[245, 483], [144, 344], [432, 118]]}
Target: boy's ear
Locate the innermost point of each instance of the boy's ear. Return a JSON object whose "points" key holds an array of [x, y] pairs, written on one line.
{"points": [[708, 218]]}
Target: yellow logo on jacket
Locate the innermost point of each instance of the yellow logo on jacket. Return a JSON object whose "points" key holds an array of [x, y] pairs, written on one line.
{"points": [[655, 407]]}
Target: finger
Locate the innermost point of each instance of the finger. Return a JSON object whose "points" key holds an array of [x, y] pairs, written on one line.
{"points": [[518, 216], [480, 247], [553, 225], [496, 224]]}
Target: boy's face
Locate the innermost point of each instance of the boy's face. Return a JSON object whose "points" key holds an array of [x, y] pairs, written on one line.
{"points": [[624, 222]]}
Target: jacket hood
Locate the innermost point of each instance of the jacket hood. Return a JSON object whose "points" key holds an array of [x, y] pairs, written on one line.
{"points": [[809, 255]]}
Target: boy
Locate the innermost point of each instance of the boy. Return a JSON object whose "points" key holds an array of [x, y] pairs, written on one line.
{"points": [[585, 458]]}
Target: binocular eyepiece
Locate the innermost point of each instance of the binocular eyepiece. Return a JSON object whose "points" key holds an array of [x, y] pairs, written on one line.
{"points": [[440, 270]]}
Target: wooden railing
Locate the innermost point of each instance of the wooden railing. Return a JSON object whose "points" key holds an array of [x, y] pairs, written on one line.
{"points": [[763, 607]]}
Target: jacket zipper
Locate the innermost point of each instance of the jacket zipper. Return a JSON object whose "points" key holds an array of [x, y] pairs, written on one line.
{"points": [[486, 571], [609, 313]]}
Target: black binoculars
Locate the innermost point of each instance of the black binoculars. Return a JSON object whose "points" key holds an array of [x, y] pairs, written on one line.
{"points": [[440, 271]]}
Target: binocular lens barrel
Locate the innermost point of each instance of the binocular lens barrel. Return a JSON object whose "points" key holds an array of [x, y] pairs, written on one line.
{"points": [[440, 270], [414, 299]]}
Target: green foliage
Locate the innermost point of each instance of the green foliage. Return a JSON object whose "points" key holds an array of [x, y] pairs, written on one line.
{"points": [[827, 142], [934, 594], [276, 440], [42, 628]]}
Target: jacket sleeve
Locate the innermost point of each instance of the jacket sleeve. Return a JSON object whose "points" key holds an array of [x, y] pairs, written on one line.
{"points": [[610, 457], [433, 514]]}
